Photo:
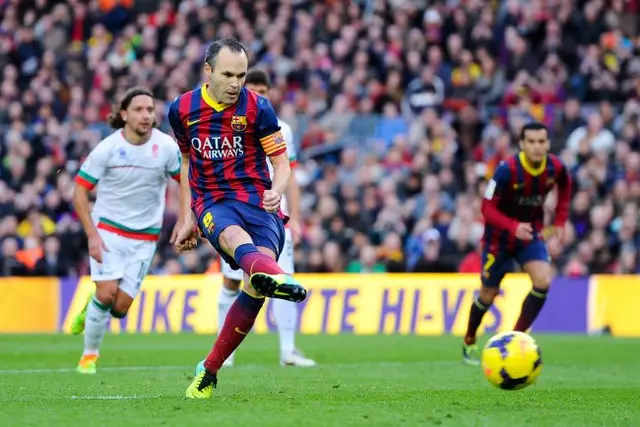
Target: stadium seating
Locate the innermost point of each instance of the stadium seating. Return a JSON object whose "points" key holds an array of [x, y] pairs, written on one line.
{"points": [[400, 112]]}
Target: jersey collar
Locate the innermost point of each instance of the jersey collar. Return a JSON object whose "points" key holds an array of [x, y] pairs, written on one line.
{"points": [[529, 168]]}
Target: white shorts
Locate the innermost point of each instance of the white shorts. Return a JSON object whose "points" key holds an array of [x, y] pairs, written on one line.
{"points": [[285, 262], [127, 260]]}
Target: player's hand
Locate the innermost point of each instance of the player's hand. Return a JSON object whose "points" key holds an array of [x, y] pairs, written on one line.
{"points": [[187, 237], [96, 246], [296, 231], [554, 233], [524, 231], [271, 200], [176, 231]]}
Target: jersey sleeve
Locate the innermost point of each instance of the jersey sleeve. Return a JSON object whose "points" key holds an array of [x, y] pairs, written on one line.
{"points": [[287, 134], [268, 129], [173, 162], [94, 166], [178, 126], [492, 195]]}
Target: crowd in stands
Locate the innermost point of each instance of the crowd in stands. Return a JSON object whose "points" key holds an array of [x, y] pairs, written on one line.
{"points": [[401, 110]]}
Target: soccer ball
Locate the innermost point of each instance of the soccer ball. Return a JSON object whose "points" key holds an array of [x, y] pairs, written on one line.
{"points": [[199, 368], [511, 360]]}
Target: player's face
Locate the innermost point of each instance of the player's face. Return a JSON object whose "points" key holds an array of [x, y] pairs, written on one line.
{"points": [[227, 76], [535, 145], [140, 114], [261, 90]]}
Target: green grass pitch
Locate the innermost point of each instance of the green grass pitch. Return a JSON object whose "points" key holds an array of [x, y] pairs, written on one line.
{"points": [[361, 381]]}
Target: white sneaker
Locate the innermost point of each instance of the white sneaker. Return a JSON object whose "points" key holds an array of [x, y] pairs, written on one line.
{"points": [[296, 359]]}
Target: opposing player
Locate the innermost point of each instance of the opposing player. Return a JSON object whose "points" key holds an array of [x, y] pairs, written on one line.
{"points": [[227, 134], [131, 168], [285, 312], [514, 218]]}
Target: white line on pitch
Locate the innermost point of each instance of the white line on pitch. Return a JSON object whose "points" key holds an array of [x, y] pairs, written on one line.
{"points": [[105, 369], [238, 367], [134, 397]]}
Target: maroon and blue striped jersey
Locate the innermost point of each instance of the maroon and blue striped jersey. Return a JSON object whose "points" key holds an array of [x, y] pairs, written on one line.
{"points": [[228, 146], [516, 194]]}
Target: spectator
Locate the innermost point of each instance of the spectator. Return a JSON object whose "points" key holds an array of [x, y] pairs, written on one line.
{"points": [[400, 113]]}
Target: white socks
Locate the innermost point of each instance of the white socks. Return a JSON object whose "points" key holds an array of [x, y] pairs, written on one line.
{"points": [[95, 326], [225, 300], [285, 314]]}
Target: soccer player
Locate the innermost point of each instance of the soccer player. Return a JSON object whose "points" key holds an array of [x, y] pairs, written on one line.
{"points": [[227, 134], [131, 168], [284, 312], [514, 216]]}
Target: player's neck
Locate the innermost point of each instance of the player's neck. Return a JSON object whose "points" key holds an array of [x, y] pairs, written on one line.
{"points": [[134, 138], [212, 96]]}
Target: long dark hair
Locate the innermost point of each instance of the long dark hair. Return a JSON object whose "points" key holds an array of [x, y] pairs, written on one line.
{"points": [[115, 118]]}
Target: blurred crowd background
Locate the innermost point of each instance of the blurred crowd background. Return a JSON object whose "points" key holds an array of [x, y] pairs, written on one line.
{"points": [[401, 110]]}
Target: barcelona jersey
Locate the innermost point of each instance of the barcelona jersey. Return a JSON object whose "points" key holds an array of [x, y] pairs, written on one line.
{"points": [[228, 146], [516, 194]]}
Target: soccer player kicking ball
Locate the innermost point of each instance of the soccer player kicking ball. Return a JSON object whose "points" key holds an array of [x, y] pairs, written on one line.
{"points": [[514, 217], [285, 312], [131, 168], [227, 134]]}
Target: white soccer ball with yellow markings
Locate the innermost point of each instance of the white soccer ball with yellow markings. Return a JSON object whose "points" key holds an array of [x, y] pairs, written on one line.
{"points": [[511, 360]]}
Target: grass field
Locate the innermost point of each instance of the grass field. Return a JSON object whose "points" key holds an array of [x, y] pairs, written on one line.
{"points": [[361, 381]]}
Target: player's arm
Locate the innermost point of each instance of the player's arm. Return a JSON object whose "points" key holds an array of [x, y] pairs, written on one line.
{"points": [[180, 132], [275, 146], [185, 238], [92, 170], [492, 196], [563, 185], [293, 188]]}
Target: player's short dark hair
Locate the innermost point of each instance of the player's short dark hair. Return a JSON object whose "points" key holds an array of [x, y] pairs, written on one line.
{"points": [[215, 47], [257, 77], [532, 126], [115, 119]]}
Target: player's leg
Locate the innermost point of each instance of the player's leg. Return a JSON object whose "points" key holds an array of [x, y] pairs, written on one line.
{"points": [[535, 261], [222, 224], [107, 277], [285, 314], [495, 267], [231, 282], [97, 316], [140, 256]]}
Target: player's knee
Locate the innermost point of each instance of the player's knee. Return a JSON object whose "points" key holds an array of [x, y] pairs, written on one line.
{"points": [[488, 294], [106, 292], [541, 279], [232, 237], [231, 284], [121, 305], [542, 282]]}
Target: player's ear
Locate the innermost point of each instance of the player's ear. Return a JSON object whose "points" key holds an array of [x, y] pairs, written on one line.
{"points": [[123, 115]]}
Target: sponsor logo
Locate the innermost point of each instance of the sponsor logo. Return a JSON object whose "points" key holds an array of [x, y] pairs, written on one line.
{"points": [[219, 147]]}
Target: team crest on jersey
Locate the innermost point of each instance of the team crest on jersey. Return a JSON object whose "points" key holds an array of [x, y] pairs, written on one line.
{"points": [[122, 153], [239, 123], [154, 150]]}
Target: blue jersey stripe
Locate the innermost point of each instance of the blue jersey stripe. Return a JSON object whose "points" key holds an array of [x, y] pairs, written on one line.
{"points": [[240, 167]]}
